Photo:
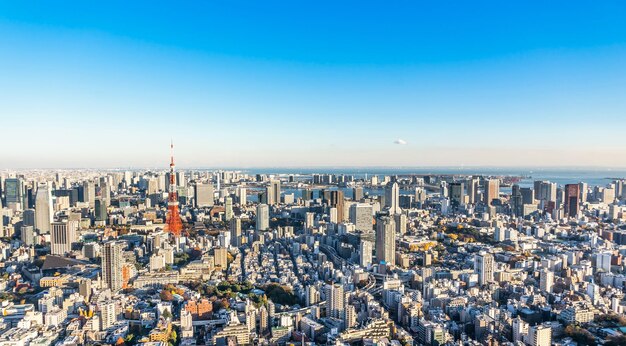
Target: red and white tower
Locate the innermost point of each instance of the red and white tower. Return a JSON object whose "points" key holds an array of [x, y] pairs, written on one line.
{"points": [[173, 222]]}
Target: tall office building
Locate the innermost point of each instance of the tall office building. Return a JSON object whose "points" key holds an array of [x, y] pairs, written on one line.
{"points": [[386, 240], [235, 232], [242, 197], [14, 194], [528, 195], [365, 253], [517, 204], [357, 193], [100, 209], [89, 193], [335, 199], [545, 191], [484, 266], [472, 190], [584, 188], [546, 280], [273, 192], [307, 194], [262, 217], [43, 209], [203, 195], [492, 190], [27, 235], [457, 193], [29, 218], [62, 236], [572, 200], [112, 261], [392, 198], [335, 298]]}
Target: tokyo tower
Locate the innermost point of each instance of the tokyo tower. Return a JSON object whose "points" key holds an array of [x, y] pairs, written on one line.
{"points": [[174, 225]]}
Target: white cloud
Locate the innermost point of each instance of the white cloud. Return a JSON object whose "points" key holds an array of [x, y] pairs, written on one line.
{"points": [[400, 141]]}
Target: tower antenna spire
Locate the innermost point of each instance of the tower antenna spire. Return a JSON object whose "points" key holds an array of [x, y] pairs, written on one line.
{"points": [[172, 151]]}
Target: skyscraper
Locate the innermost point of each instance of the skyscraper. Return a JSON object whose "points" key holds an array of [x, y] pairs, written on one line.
{"points": [[572, 200], [517, 205], [62, 236], [357, 193], [235, 232], [100, 210], [112, 265], [273, 192], [228, 208], [392, 198], [457, 194], [262, 217], [492, 190], [484, 265], [472, 190], [14, 194], [545, 191], [203, 195], [43, 209], [89, 193], [242, 197], [335, 199], [386, 240]]}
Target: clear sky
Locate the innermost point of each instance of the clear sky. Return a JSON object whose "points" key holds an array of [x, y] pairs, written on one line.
{"points": [[313, 83]]}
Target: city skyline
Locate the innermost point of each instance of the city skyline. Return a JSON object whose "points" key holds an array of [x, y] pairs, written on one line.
{"points": [[498, 85]]}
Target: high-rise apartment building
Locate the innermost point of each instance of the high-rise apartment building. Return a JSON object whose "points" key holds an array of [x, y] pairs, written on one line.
{"points": [[546, 280], [386, 240], [273, 192], [335, 299], [112, 262], [484, 266], [365, 253], [262, 217], [235, 232]]}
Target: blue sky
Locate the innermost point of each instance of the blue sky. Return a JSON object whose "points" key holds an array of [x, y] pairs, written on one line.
{"points": [[313, 83]]}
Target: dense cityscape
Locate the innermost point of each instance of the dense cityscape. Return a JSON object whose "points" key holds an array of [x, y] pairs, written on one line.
{"points": [[203, 257], [291, 173]]}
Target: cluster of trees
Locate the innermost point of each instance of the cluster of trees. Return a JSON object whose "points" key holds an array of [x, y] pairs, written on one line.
{"points": [[580, 335], [611, 319], [167, 293], [280, 294]]}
